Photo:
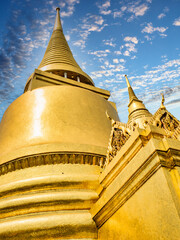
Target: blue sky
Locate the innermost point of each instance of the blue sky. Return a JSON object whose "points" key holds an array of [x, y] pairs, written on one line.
{"points": [[108, 38]]}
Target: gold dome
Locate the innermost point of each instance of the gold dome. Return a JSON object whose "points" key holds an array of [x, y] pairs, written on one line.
{"points": [[56, 118], [58, 57]]}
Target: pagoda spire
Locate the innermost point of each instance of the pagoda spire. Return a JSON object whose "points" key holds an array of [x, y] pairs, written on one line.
{"points": [[130, 90], [138, 113], [57, 24], [58, 58]]}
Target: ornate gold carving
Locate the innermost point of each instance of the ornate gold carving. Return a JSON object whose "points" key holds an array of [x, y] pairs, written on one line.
{"points": [[119, 135], [176, 133], [167, 159], [52, 158], [168, 122], [163, 119]]}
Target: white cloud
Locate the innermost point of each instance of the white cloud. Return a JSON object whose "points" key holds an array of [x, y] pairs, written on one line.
{"points": [[103, 8], [162, 15], [67, 37], [109, 42], [139, 10], [79, 43], [100, 53], [135, 8], [150, 29], [83, 64], [131, 39], [176, 22], [123, 8], [130, 47], [117, 14], [126, 53], [70, 7], [118, 52], [148, 38], [99, 20], [121, 60], [163, 35], [90, 23], [108, 70], [115, 60]]}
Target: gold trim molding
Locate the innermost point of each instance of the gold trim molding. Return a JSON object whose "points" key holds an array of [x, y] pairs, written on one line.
{"points": [[52, 158]]}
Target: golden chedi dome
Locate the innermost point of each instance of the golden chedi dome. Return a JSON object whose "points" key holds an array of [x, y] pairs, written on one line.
{"points": [[56, 118], [53, 143], [64, 117]]}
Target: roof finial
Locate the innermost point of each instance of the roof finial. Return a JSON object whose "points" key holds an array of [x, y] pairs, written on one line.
{"points": [[130, 90], [162, 101], [57, 25]]}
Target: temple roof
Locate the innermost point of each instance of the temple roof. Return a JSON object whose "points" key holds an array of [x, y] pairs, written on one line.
{"points": [[58, 57]]}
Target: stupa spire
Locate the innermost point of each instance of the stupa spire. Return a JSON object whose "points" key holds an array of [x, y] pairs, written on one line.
{"points": [[57, 24], [58, 58], [137, 110], [130, 90]]}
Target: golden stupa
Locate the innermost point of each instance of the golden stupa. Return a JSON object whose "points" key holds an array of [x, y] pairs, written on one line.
{"points": [[70, 170]]}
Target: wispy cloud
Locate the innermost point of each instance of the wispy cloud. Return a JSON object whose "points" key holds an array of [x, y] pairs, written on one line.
{"points": [[134, 9], [150, 29], [108, 70], [118, 52], [104, 7], [115, 60], [109, 42], [69, 5], [163, 14], [126, 53], [100, 53], [139, 10], [129, 46], [131, 39], [90, 23]]}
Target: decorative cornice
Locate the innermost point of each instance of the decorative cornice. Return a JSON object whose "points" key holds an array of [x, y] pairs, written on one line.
{"points": [[52, 158]]}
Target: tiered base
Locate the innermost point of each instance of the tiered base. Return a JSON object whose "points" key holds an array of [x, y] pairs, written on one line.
{"points": [[49, 202]]}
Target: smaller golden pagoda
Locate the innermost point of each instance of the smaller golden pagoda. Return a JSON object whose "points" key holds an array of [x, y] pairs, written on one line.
{"points": [[138, 114], [69, 169]]}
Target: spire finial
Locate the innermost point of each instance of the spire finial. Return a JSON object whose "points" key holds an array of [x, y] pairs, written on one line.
{"points": [[130, 90], [57, 25], [162, 101], [127, 81]]}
